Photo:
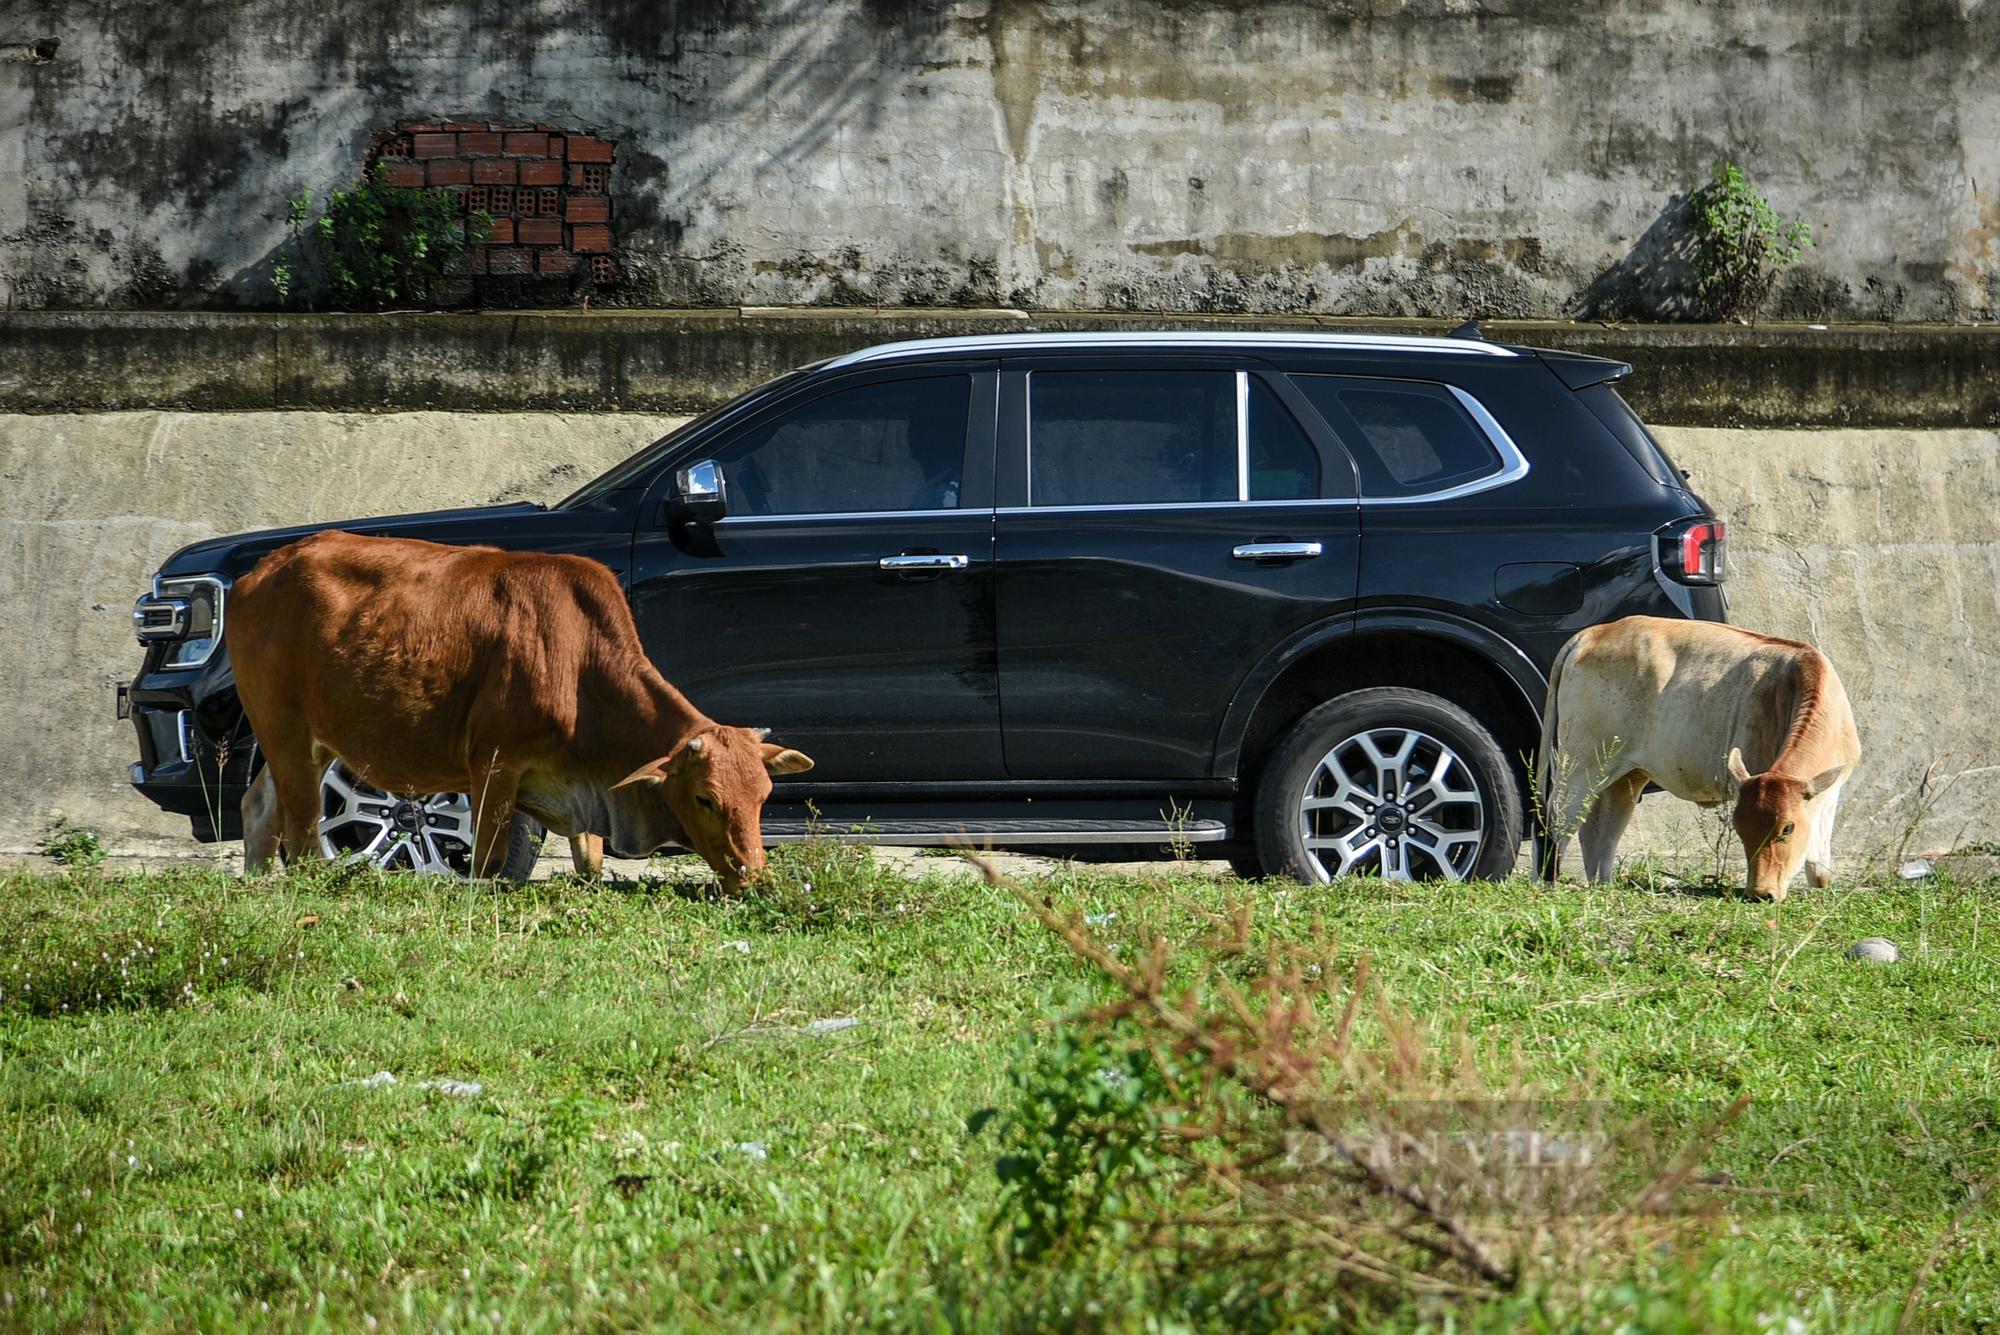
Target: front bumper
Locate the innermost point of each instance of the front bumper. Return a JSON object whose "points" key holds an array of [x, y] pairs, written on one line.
{"points": [[196, 750]]}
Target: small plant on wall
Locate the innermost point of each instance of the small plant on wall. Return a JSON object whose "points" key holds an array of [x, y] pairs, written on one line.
{"points": [[374, 247], [1740, 244]]}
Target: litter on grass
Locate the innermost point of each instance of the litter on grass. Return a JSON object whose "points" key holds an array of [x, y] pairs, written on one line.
{"points": [[1874, 949], [458, 1089], [1915, 869], [832, 1026]]}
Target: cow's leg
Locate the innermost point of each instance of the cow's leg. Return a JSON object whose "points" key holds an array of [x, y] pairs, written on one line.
{"points": [[1605, 825], [295, 777], [586, 853], [1819, 855], [261, 823]]}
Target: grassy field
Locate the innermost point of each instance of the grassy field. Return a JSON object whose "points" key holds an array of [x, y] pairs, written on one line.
{"points": [[671, 1130]]}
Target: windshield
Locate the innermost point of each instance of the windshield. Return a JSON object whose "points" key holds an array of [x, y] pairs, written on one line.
{"points": [[637, 470]]}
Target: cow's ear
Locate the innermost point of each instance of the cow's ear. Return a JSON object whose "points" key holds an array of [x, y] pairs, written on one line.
{"points": [[651, 773], [1825, 780], [1738, 773], [784, 760]]}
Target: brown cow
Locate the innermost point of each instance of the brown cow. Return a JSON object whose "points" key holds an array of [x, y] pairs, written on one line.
{"points": [[1711, 713], [517, 678]]}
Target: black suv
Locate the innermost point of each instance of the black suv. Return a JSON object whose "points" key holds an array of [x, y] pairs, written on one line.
{"points": [[1288, 599]]}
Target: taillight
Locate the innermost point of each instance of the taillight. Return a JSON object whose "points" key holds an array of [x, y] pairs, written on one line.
{"points": [[1695, 551]]}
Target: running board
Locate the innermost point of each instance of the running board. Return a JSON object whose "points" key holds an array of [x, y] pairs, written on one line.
{"points": [[999, 833]]}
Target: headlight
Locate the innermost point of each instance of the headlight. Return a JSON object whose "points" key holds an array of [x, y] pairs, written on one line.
{"points": [[184, 613]]}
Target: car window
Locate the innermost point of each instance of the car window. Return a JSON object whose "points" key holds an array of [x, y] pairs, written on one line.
{"points": [[1284, 466], [639, 468], [1406, 438], [1610, 408], [1131, 437], [898, 445]]}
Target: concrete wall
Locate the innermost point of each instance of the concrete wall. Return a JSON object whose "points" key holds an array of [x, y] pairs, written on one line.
{"points": [[1882, 547], [1433, 157]]}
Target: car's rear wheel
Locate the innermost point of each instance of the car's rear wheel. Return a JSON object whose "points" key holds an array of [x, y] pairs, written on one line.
{"points": [[429, 835], [1388, 782]]}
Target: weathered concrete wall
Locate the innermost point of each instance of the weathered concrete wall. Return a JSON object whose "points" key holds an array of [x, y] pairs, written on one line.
{"points": [[1882, 547], [683, 361], [1430, 157]]}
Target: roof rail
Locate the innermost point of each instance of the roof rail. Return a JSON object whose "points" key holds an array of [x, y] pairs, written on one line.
{"points": [[1002, 343]]}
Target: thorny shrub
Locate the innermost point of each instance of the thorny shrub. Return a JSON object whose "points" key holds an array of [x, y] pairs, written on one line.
{"points": [[1264, 1112]]}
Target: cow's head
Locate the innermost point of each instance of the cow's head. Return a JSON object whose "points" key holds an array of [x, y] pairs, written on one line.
{"points": [[714, 785], [1774, 818]]}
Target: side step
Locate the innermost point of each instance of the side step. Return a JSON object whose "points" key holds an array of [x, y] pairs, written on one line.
{"points": [[977, 833]]}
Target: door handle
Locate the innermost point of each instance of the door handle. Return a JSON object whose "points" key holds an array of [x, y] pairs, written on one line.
{"points": [[931, 562], [1276, 551]]}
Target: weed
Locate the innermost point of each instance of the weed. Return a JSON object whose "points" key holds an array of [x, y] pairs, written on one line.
{"points": [[1740, 244], [375, 246], [76, 847]]}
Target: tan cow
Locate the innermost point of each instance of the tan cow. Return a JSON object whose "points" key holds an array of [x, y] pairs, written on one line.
{"points": [[1711, 713], [517, 678]]}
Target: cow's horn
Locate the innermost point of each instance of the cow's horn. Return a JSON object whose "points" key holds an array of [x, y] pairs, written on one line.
{"points": [[763, 734], [696, 743]]}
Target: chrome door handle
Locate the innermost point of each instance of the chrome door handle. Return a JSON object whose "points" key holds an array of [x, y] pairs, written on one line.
{"points": [[924, 562], [1268, 551]]}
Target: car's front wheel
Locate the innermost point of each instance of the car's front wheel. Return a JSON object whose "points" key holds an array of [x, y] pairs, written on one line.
{"points": [[432, 834], [1388, 782]]}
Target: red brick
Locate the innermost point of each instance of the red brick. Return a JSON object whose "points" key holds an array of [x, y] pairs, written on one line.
{"points": [[555, 145], [451, 173], [477, 256], [499, 200], [593, 178], [436, 145], [453, 292], [503, 232], [454, 125], [541, 173], [510, 261], [582, 148], [557, 261], [593, 238], [587, 209], [403, 175], [548, 203], [421, 129], [528, 145], [482, 144], [539, 232], [490, 171]]}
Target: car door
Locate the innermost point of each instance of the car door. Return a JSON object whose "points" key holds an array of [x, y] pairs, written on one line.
{"points": [[1163, 522], [846, 601]]}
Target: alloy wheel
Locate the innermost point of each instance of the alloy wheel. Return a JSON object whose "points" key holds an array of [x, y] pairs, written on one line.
{"points": [[361, 823], [1395, 802]]}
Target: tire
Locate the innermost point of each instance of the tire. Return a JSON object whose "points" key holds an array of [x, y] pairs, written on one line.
{"points": [[429, 835], [1461, 818]]}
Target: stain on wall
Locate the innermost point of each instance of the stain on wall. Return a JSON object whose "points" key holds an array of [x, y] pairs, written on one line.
{"points": [[1362, 157]]}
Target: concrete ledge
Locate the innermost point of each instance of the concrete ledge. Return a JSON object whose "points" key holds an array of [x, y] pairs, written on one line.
{"points": [[690, 360]]}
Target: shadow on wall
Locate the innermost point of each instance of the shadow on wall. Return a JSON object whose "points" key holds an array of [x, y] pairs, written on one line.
{"points": [[1654, 279]]}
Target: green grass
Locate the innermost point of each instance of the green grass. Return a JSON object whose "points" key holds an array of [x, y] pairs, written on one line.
{"points": [[183, 1143]]}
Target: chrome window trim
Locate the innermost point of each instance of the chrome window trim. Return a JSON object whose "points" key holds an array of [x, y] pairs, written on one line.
{"points": [[849, 514], [1513, 464], [1167, 505], [1179, 340], [1242, 436]]}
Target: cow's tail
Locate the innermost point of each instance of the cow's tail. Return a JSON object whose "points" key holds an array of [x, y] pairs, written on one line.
{"points": [[1548, 848]]}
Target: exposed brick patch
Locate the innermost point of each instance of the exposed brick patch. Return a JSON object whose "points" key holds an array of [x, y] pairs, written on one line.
{"points": [[545, 187]]}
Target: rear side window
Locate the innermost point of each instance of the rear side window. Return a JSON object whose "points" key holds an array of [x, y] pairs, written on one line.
{"points": [[1610, 408], [1283, 464], [1407, 438], [893, 446], [1131, 437]]}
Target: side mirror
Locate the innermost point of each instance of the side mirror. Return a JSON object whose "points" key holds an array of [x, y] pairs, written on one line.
{"points": [[700, 494]]}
